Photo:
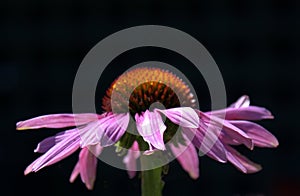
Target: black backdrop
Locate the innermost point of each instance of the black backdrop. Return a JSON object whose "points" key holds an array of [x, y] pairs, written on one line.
{"points": [[255, 43]]}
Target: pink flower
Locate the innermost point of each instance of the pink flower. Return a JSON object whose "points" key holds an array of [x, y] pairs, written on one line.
{"points": [[207, 131]]}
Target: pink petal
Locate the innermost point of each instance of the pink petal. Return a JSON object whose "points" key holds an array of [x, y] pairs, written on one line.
{"points": [[151, 127], [57, 121], [130, 159], [58, 152], [241, 162], [96, 149], [88, 134], [226, 139], [244, 113], [107, 130], [183, 116], [75, 172], [207, 142], [112, 128], [188, 158], [87, 165], [29, 167], [229, 129], [242, 102], [259, 135], [47, 143]]}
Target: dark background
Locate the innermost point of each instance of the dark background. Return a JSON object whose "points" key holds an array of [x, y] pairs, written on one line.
{"points": [[255, 44]]}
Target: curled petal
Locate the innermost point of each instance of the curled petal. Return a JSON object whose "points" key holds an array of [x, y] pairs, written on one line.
{"points": [[57, 121], [241, 162], [130, 159], [243, 113], [183, 116], [56, 153], [242, 102], [151, 127], [188, 158], [259, 135], [151, 150]]}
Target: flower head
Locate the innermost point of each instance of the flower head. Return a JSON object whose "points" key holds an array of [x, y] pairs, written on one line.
{"points": [[130, 121]]}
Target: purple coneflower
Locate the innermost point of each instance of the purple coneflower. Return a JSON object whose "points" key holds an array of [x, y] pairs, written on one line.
{"points": [[208, 132]]}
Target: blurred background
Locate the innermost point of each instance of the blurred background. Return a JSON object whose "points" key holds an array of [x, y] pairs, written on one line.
{"points": [[256, 45]]}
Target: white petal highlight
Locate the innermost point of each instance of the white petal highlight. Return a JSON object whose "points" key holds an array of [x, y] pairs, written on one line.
{"points": [[182, 116], [151, 127]]}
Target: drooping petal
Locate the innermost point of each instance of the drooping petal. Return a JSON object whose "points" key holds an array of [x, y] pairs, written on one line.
{"points": [[57, 121], [229, 129], [130, 159], [87, 165], [88, 134], [243, 113], [56, 153], [207, 142], [226, 139], [242, 102], [112, 128], [47, 143], [259, 135], [106, 131], [187, 157], [241, 162], [75, 172], [182, 116], [29, 168], [151, 127]]}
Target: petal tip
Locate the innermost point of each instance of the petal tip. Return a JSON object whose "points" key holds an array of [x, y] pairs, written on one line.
{"points": [[89, 186], [194, 176], [258, 168], [27, 171], [72, 179], [131, 174], [18, 125], [22, 128], [275, 143], [251, 147]]}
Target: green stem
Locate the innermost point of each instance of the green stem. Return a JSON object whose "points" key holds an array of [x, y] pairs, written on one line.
{"points": [[152, 184]]}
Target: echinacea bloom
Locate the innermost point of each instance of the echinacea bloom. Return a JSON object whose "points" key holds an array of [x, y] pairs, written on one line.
{"points": [[128, 101]]}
